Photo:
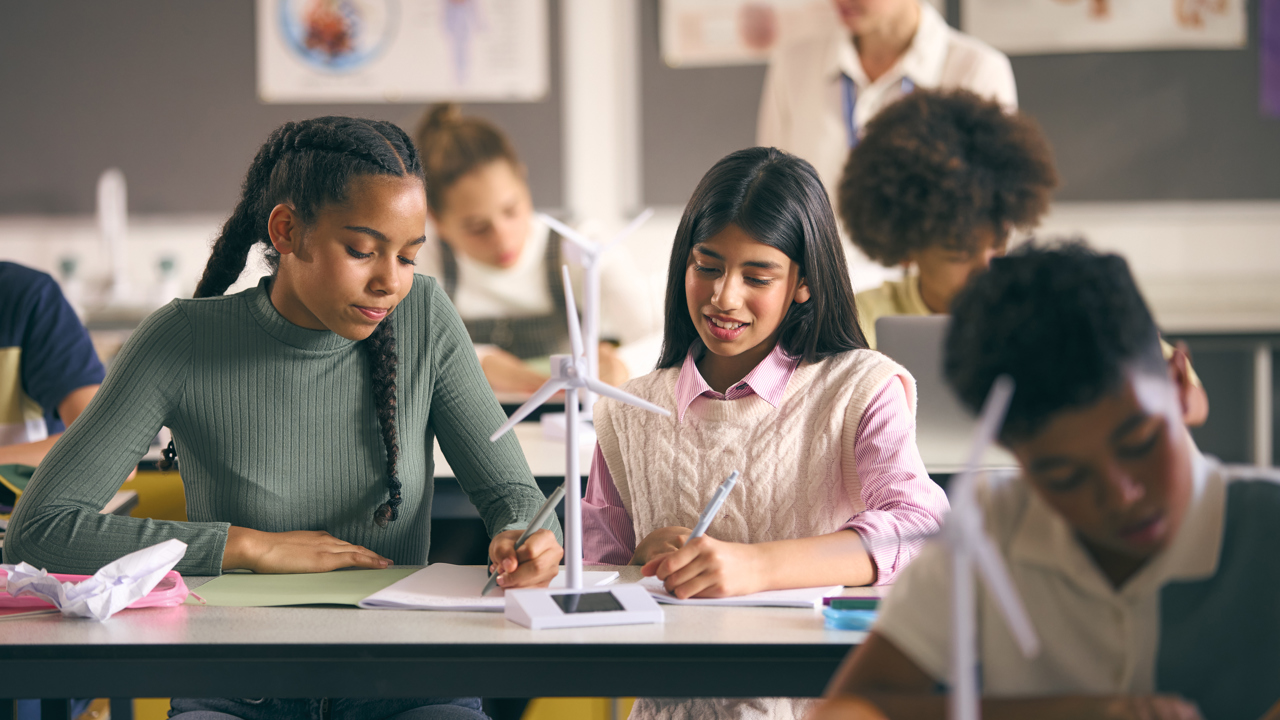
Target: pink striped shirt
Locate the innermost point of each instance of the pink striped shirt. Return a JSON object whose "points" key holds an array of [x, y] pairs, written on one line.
{"points": [[901, 500]]}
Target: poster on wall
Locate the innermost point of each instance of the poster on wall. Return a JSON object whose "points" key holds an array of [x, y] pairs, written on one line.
{"points": [[703, 33], [1028, 27], [401, 50]]}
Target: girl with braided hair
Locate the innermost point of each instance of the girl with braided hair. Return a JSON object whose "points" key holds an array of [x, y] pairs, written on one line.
{"points": [[303, 409]]}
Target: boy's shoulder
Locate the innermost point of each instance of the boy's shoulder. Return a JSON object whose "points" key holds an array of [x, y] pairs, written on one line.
{"points": [[1253, 499], [892, 297], [1006, 498], [20, 280]]}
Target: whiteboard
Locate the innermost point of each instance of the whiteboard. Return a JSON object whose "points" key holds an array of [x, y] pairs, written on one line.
{"points": [[396, 51]]}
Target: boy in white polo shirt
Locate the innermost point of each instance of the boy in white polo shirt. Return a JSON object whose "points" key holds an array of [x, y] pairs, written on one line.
{"points": [[1150, 571]]}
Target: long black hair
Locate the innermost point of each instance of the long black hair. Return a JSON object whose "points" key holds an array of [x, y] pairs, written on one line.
{"points": [[777, 199], [311, 165]]}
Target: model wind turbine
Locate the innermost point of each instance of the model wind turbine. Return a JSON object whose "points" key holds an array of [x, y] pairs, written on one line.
{"points": [[113, 224], [591, 255], [572, 606], [970, 546]]}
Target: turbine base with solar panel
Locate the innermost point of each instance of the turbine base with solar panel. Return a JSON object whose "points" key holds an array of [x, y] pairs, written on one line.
{"points": [[574, 606]]}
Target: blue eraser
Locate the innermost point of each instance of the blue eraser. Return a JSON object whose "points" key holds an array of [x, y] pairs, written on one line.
{"points": [[838, 619]]}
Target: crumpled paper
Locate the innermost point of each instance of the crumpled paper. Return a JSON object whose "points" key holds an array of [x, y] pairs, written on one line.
{"points": [[110, 590]]}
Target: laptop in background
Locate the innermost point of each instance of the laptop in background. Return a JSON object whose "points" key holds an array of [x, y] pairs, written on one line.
{"points": [[944, 429]]}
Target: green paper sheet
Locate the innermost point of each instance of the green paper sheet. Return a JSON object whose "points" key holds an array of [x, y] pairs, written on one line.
{"points": [[340, 587]]}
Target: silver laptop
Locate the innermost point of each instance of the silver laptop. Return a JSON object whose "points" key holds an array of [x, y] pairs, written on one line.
{"points": [[944, 428]]}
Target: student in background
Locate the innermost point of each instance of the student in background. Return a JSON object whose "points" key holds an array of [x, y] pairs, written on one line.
{"points": [[820, 92], [305, 407], [48, 374], [1148, 569], [937, 185], [498, 264], [765, 371], [48, 368]]}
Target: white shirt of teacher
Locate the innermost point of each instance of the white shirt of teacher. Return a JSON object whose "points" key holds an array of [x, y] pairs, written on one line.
{"points": [[802, 108]]}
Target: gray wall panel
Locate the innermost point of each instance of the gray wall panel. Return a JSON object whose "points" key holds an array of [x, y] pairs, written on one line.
{"points": [[167, 91], [1180, 125]]}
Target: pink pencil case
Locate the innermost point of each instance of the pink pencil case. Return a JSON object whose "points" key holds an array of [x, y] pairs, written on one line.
{"points": [[170, 591]]}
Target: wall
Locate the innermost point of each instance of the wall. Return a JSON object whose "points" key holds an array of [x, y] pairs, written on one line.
{"points": [[167, 92], [1125, 126]]}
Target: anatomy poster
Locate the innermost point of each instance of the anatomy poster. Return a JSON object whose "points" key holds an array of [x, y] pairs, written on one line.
{"points": [[401, 50], [699, 33], [1057, 26]]}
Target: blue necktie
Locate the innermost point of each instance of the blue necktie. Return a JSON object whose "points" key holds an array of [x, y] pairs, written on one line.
{"points": [[850, 97]]}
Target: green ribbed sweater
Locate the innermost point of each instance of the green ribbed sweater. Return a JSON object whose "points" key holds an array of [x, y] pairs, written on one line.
{"points": [[275, 430]]}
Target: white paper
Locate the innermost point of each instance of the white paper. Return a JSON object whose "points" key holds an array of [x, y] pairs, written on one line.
{"points": [[798, 598], [457, 587], [402, 50], [113, 588], [1054, 26]]}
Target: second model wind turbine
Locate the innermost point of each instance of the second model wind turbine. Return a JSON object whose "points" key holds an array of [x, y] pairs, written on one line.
{"points": [[971, 547], [591, 256], [573, 606]]}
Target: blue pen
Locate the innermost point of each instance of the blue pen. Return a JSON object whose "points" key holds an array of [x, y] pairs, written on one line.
{"points": [[713, 506]]}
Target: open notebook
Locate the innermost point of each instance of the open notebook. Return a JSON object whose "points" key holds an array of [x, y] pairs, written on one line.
{"points": [[456, 587], [799, 597]]}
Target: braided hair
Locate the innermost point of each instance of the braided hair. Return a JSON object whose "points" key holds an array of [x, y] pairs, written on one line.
{"points": [[310, 165]]}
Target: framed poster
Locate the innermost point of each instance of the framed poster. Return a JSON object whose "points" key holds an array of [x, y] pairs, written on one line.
{"points": [[401, 50], [1025, 27]]}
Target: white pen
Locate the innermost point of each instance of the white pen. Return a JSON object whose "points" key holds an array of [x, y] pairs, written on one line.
{"points": [[539, 520], [713, 506]]}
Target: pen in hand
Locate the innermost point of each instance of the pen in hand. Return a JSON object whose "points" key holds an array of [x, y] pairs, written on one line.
{"points": [[536, 524], [713, 507]]}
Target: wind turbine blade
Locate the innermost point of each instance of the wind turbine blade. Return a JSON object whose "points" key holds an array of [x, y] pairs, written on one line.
{"points": [[549, 388], [631, 227], [608, 390], [989, 422], [996, 577], [571, 309], [569, 233]]}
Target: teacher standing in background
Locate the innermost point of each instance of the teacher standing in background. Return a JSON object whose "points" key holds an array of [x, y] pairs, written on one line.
{"points": [[820, 90]]}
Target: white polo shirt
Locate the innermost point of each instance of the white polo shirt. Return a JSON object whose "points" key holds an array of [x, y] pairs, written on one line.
{"points": [[801, 110], [1094, 639]]}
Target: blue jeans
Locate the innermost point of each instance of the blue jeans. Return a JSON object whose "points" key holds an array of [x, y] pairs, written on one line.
{"points": [[326, 709]]}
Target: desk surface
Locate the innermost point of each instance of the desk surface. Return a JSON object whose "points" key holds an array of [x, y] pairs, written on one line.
{"points": [[546, 456], [345, 652]]}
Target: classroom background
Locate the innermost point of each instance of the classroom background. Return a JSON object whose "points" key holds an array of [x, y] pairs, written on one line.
{"points": [[1167, 156]]}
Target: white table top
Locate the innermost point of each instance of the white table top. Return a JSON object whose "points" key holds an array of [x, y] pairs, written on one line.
{"points": [[546, 456], [348, 652], [201, 625]]}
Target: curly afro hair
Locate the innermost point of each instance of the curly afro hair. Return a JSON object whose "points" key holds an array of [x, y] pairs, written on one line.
{"points": [[1065, 322], [938, 168]]}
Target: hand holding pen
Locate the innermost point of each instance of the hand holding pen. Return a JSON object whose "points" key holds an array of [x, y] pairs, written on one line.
{"points": [[503, 548], [703, 566]]}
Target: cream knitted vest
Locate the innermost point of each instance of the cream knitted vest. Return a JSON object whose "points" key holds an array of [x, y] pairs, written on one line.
{"points": [[792, 459], [799, 476]]}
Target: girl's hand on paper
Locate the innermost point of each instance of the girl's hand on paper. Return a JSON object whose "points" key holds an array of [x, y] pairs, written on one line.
{"points": [[302, 551], [508, 373], [662, 541], [847, 708], [709, 568], [535, 564]]}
